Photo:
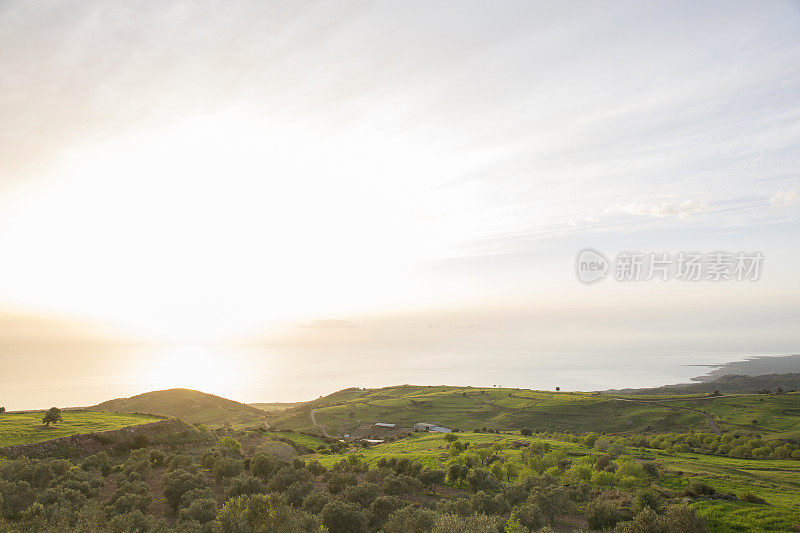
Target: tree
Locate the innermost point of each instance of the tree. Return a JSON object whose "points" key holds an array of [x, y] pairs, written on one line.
{"points": [[53, 415], [558, 389], [526, 432], [2, 409]]}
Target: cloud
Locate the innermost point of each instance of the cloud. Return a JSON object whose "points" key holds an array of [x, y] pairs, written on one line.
{"points": [[679, 210], [330, 323], [784, 198]]}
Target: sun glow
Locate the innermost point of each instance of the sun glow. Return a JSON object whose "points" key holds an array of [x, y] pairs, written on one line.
{"points": [[198, 229], [191, 367]]}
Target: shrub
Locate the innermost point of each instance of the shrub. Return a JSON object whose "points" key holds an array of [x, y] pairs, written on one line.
{"points": [[529, 515], [381, 509], [99, 461], [472, 524], [16, 497], [363, 494], [202, 510], [482, 479], [316, 501], [263, 512], [132, 521], [400, 485], [264, 465], [410, 520], [176, 483], [680, 518], [697, 489], [342, 517], [602, 478], [241, 485], [297, 491], [603, 515], [227, 467], [157, 458], [286, 476], [316, 468], [231, 445], [752, 498]]}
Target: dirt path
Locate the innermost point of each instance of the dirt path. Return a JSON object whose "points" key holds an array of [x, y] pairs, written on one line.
{"points": [[710, 418], [314, 421]]}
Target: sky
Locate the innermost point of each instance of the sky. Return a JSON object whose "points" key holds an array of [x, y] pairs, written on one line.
{"points": [[419, 175]]}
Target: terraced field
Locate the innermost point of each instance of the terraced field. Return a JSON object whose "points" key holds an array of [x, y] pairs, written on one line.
{"points": [[26, 428]]}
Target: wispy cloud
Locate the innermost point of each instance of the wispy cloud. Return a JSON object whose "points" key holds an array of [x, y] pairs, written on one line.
{"points": [[784, 198], [679, 210]]}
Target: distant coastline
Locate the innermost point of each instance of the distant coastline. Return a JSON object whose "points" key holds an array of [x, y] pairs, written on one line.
{"points": [[753, 366]]}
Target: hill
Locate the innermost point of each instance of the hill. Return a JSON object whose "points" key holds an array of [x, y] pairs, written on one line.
{"points": [[189, 405], [276, 406], [730, 384], [27, 428], [355, 411]]}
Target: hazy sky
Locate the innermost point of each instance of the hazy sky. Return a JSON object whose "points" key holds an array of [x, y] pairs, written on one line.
{"points": [[417, 174]]}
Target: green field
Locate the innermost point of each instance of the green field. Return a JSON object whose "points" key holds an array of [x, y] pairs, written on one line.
{"points": [[26, 428], [467, 408]]}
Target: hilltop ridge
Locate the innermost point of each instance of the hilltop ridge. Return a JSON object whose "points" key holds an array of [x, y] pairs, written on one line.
{"points": [[189, 405]]}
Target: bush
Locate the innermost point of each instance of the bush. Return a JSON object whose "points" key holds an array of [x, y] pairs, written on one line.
{"points": [[202, 510], [316, 501], [410, 520], [529, 516], [697, 489], [647, 498], [752, 498], [231, 445], [265, 465], [472, 524], [603, 515], [680, 518], [341, 517], [99, 461], [400, 485], [176, 483], [381, 509], [482, 479], [297, 491], [16, 497], [263, 512], [363, 494], [132, 521], [241, 485], [287, 476], [602, 479], [227, 467]]}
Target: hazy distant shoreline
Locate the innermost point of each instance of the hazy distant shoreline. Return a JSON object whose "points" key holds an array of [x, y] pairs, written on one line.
{"points": [[756, 365]]}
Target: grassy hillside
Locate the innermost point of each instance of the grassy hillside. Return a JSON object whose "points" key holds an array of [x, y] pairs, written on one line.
{"points": [[731, 384], [26, 428], [276, 407], [189, 405], [467, 408], [179, 479]]}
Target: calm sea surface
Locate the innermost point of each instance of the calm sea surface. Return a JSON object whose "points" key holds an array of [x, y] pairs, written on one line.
{"points": [[42, 377]]}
